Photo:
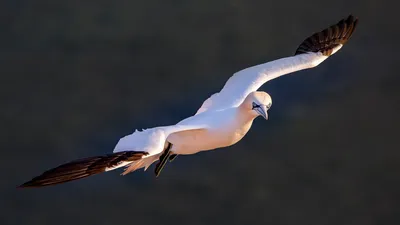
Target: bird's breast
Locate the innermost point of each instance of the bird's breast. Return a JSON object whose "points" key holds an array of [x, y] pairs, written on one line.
{"points": [[193, 141]]}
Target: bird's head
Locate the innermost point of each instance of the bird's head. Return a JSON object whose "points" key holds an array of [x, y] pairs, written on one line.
{"points": [[258, 102]]}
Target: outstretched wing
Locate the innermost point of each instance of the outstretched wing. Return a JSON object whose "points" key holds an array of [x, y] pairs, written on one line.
{"points": [[82, 168], [136, 150], [311, 52]]}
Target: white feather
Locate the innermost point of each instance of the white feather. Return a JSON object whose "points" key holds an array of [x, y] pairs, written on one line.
{"points": [[251, 79], [153, 140]]}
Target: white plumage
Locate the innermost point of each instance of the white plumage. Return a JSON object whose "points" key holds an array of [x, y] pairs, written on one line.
{"points": [[222, 120], [219, 122]]}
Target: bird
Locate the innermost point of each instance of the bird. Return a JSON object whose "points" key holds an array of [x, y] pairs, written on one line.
{"points": [[221, 121]]}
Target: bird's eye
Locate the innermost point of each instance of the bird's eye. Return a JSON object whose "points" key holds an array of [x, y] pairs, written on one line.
{"points": [[255, 105]]}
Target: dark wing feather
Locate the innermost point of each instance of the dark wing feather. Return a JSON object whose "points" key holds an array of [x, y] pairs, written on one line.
{"points": [[82, 168], [325, 41]]}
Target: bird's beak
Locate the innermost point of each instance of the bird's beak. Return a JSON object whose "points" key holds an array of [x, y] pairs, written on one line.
{"points": [[262, 110]]}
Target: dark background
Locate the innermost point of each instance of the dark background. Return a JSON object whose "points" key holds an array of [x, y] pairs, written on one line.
{"points": [[78, 75]]}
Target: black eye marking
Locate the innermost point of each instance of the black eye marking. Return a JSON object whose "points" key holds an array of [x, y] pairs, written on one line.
{"points": [[255, 105]]}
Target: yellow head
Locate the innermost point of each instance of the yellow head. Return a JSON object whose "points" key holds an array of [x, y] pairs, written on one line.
{"points": [[258, 103]]}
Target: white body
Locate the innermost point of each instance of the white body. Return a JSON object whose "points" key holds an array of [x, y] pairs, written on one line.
{"points": [[220, 121], [226, 127]]}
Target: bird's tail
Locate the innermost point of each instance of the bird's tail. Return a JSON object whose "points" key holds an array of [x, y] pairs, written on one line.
{"points": [[331, 39], [82, 168]]}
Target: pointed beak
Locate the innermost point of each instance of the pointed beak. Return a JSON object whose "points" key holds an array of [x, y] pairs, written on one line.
{"points": [[262, 110]]}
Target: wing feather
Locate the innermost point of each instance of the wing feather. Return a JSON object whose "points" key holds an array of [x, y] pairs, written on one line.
{"points": [[311, 52], [153, 140]]}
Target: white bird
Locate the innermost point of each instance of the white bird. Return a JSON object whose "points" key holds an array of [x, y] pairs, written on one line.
{"points": [[222, 120]]}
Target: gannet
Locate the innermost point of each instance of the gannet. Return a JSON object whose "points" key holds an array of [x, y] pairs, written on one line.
{"points": [[222, 120]]}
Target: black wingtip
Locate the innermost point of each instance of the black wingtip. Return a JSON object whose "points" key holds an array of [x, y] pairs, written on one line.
{"points": [[326, 40], [82, 168], [28, 184]]}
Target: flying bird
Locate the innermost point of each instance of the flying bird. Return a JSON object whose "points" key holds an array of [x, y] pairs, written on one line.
{"points": [[222, 120]]}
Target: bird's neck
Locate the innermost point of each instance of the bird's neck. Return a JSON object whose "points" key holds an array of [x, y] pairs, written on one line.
{"points": [[246, 115]]}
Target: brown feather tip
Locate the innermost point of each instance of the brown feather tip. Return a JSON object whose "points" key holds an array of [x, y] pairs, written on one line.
{"points": [[82, 168], [326, 40]]}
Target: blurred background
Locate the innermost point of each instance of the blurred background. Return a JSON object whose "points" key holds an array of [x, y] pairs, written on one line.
{"points": [[78, 75]]}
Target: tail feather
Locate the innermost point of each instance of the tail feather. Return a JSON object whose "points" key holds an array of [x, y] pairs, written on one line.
{"points": [[144, 162], [83, 168], [133, 166], [328, 40]]}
